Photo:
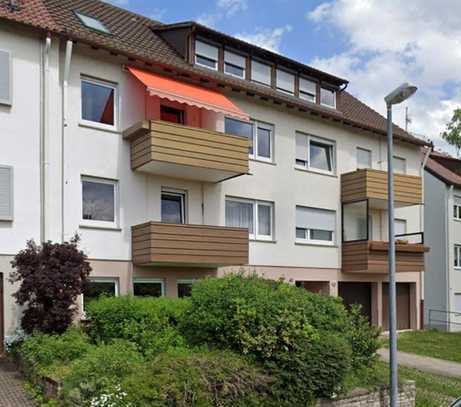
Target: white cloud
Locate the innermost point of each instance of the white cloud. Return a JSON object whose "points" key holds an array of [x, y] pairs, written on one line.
{"points": [[270, 39], [392, 41], [208, 20], [223, 9], [158, 14]]}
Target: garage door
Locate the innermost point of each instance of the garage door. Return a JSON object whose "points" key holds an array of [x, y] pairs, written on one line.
{"points": [[403, 306], [356, 293]]}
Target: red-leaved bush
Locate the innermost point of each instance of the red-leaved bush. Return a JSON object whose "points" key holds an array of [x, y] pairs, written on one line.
{"points": [[51, 277]]}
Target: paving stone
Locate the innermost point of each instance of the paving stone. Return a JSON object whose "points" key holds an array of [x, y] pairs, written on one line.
{"points": [[12, 392]]}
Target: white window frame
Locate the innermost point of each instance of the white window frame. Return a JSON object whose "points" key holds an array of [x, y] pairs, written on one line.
{"points": [[457, 210], [456, 296], [255, 205], [184, 281], [279, 88], [401, 221], [357, 157], [227, 51], [183, 195], [457, 256], [100, 223], [206, 56], [302, 92], [321, 140], [308, 240], [114, 280], [9, 101], [396, 157], [147, 280], [9, 218], [266, 126], [334, 97], [107, 84], [270, 73]]}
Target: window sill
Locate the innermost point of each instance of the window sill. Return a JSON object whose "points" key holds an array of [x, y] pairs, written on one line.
{"points": [[298, 243], [263, 241], [100, 227], [9, 220], [457, 268], [457, 220], [262, 161], [96, 127], [315, 172]]}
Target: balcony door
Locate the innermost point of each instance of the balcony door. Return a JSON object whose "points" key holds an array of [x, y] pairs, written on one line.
{"points": [[173, 207], [172, 115]]}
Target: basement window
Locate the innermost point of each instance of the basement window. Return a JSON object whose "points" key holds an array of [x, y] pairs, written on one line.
{"points": [[91, 22]]}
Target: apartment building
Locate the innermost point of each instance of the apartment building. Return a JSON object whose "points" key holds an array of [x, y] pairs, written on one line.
{"points": [[177, 152], [442, 217]]}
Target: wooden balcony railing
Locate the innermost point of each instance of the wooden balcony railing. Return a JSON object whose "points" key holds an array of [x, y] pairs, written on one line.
{"points": [[156, 243], [179, 151]]}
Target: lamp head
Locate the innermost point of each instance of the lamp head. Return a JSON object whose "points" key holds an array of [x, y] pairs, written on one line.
{"points": [[398, 95]]}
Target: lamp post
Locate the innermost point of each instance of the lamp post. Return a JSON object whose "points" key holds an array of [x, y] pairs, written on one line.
{"points": [[398, 95]]}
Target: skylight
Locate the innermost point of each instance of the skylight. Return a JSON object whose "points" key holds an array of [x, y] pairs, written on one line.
{"points": [[92, 23]]}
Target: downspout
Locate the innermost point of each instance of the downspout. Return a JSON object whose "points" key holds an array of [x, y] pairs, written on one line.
{"points": [[449, 194], [65, 85], [45, 62]]}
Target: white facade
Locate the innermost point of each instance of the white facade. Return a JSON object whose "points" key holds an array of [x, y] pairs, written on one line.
{"points": [[73, 149]]}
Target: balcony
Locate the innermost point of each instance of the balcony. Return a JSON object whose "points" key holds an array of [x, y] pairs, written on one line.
{"points": [[371, 185], [156, 243], [179, 151], [372, 257]]}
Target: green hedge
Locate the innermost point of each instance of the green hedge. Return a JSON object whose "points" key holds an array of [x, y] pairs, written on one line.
{"points": [[150, 323]]}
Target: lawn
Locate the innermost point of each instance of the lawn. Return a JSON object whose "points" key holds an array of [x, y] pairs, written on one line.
{"points": [[436, 344], [431, 390]]}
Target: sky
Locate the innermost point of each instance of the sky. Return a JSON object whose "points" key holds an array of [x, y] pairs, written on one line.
{"points": [[375, 44]]}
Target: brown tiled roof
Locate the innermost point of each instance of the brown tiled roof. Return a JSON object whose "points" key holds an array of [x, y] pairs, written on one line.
{"points": [[442, 172], [132, 35]]}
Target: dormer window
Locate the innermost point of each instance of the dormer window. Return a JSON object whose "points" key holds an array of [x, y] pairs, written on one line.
{"points": [[285, 82], [307, 90], [327, 97], [234, 64], [261, 73], [206, 55]]}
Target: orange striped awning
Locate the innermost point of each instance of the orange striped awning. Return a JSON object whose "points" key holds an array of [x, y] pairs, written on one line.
{"points": [[182, 92]]}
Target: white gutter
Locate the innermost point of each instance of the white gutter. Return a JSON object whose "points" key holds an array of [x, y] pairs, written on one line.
{"points": [[45, 62], [65, 85]]}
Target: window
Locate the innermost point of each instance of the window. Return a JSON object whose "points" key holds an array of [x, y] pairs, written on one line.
{"points": [[173, 206], [6, 193], [457, 304], [285, 81], [356, 222], [92, 22], [5, 77], [234, 64], [148, 287], [457, 207], [184, 288], [400, 165], [315, 225], [256, 216], [328, 97], [99, 102], [261, 73], [170, 114], [314, 154], [363, 158], [97, 287], [307, 90], [99, 201], [400, 227], [206, 55], [457, 256], [262, 148], [238, 128]]}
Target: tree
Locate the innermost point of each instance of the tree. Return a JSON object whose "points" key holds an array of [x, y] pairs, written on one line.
{"points": [[452, 134], [51, 277]]}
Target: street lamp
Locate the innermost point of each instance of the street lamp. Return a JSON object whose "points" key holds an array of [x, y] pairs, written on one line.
{"points": [[397, 96]]}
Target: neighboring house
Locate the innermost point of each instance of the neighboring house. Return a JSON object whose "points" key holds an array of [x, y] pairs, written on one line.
{"points": [[442, 219], [136, 135]]}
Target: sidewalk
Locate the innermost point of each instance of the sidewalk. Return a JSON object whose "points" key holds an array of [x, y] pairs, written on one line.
{"points": [[11, 387], [426, 364]]}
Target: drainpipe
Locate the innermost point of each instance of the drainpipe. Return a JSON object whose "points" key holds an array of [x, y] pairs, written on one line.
{"points": [[65, 85], [45, 68], [448, 262]]}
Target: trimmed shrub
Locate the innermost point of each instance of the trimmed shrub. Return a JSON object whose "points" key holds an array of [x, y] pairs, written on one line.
{"points": [[184, 378], [100, 371], [150, 323], [43, 354]]}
